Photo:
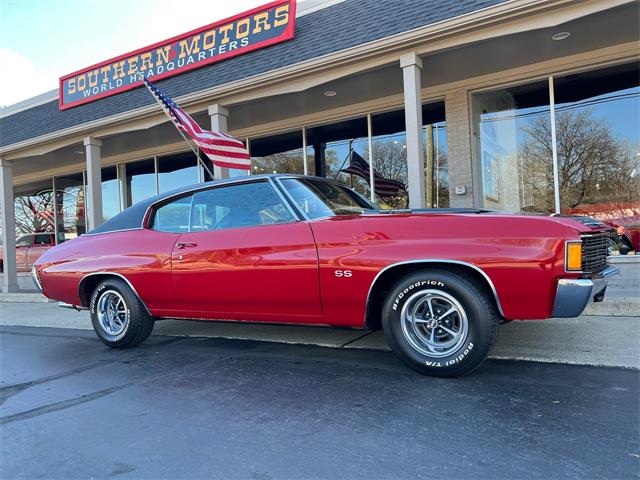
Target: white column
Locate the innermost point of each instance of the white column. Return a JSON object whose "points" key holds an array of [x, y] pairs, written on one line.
{"points": [[219, 116], [9, 277], [554, 146], [411, 66], [93, 196]]}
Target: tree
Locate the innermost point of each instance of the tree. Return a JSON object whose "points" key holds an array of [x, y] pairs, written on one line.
{"points": [[594, 167]]}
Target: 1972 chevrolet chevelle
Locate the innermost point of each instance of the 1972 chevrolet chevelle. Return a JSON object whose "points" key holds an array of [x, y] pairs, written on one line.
{"points": [[306, 250]]}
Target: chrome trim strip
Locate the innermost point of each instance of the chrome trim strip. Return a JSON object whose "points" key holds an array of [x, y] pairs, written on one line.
{"points": [[89, 234], [276, 187], [36, 280], [288, 195], [438, 260], [122, 277]]}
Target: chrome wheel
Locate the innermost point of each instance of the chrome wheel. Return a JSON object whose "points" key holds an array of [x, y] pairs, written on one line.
{"points": [[434, 323], [112, 313]]}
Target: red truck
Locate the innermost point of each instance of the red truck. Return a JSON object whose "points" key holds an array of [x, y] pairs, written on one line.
{"points": [[306, 250]]}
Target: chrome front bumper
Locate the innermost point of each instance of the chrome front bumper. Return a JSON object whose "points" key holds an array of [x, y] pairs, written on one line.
{"points": [[574, 294], [36, 280]]}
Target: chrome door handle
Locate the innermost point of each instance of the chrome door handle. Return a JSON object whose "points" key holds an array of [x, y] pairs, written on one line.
{"points": [[185, 245]]}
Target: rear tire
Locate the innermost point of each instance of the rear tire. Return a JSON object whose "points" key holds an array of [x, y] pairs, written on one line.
{"points": [[440, 323], [119, 318]]}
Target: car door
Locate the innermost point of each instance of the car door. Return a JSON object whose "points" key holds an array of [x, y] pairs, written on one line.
{"points": [[247, 257], [41, 243], [23, 243]]}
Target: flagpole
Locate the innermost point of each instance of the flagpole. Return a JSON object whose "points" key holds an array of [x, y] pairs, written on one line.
{"points": [[372, 178], [193, 148], [345, 159]]}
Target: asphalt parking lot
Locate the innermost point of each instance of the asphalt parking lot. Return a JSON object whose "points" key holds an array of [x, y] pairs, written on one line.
{"points": [[182, 407]]}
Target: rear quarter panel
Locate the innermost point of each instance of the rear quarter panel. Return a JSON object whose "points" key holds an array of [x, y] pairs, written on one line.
{"points": [[142, 256], [522, 256]]}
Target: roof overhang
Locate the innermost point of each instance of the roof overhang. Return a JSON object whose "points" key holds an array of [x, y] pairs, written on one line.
{"points": [[503, 19]]}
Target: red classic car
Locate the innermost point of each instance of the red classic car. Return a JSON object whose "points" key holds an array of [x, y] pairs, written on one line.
{"points": [[29, 247], [306, 250]]}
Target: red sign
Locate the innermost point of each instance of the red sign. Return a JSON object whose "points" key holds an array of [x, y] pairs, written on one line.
{"points": [[243, 33]]}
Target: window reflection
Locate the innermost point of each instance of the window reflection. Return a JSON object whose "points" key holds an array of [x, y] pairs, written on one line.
{"points": [[177, 171], [70, 200], [332, 146], [110, 193], [513, 127], [389, 153], [277, 154], [34, 208], [598, 132], [435, 155], [140, 181]]}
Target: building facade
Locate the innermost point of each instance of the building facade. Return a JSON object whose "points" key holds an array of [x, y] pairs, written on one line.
{"points": [[520, 106]]}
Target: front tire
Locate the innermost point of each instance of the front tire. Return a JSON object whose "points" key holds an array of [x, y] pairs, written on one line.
{"points": [[119, 318], [440, 323]]}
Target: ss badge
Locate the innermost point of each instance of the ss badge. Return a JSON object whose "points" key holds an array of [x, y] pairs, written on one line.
{"points": [[343, 273]]}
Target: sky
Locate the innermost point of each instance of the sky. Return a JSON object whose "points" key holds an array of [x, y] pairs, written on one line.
{"points": [[42, 40]]}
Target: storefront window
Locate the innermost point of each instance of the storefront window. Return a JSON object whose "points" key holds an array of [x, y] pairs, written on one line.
{"points": [[515, 160], [389, 155], [71, 206], [333, 146], [34, 208], [177, 171], [435, 155], [140, 179], [277, 154], [598, 142], [110, 193]]}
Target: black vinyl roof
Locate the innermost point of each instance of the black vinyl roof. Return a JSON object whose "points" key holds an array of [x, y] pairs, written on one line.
{"points": [[331, 29], [132, 217]]}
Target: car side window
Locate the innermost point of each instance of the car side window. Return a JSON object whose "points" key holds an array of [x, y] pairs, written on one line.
{"points": [[174, 216], [43, 239], [24, 241], [240, 205]]}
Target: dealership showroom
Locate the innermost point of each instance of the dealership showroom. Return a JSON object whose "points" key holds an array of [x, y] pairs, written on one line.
{"points": [[508, 106], [511, 106]]}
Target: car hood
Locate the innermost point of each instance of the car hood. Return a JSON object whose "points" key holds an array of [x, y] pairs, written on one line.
{"points": [[579, 223]]}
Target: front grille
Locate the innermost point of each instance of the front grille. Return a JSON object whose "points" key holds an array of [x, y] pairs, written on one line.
{"points": [[594, 252]]}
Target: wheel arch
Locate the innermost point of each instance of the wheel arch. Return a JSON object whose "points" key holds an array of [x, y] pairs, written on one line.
{"points": [[386, 277], [90, 282]]}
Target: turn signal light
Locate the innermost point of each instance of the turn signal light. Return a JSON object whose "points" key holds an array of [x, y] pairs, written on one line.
{"points": [[574, 257]]}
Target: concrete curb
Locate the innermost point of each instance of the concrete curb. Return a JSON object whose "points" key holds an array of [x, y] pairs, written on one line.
{"points": [[24, 297]]}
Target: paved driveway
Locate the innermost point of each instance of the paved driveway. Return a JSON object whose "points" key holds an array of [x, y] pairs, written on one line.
{"points": [[217, 408]]}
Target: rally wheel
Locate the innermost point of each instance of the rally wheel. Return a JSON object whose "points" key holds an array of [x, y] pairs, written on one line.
{"points": [[439, 322], [119, 318]]}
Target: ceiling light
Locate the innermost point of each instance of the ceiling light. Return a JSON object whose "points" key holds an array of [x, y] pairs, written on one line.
{"points": [[330, 93], [560, 36], [78, 152]]}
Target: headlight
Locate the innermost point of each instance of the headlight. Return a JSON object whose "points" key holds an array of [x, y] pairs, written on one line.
{"points": [[573, 256]]}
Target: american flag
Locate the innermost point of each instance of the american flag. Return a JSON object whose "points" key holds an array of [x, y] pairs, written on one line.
{"points": [[221, 148], [384, 187]]}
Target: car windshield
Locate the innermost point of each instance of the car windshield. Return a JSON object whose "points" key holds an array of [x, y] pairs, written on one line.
{"points": [[324, 198]]}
